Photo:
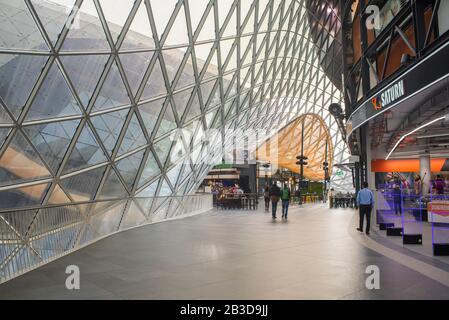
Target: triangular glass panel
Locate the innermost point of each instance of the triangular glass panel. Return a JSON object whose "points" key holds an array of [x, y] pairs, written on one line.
{"points": [[211, 70], [150, 169], [139, 34], [208, 29], [177, 152], [162, 148], [53, 15], [229, 56], [86, 32], [202, 51], [135, 66], [84, 73], [58, 196], [18, 28], [160, 213], [231, 28], [134, 137], [23, 197], [186, 173], [108, 222], [212, 89], [162, 11], [54, 98], [155, 85], [150, 112], [245, 8], [178, 31], [196, 13], [113, 92], [113, 188], [172, 61], [109, 126], [223, 7], [195, 108], [116, 21], [86, 152], [18, 75], [174, 173], [145, 204], [83, 186], [51, 140], [20, 163], [134, 217], [149, 191], [187, 76], [165, 190], [4, 117], [181, 100], [129, 167], [3, 134], [168, 122]]}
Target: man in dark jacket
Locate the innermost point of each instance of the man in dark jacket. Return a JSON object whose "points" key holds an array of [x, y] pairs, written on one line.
{"points": [[285, 201], [275, 194]]}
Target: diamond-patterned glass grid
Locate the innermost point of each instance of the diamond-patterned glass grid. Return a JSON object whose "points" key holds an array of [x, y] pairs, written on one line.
{"points": [[98, 119]]}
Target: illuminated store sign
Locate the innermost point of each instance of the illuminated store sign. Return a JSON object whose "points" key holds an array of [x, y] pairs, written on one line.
{"points": [[389, 96], [419, 77]]}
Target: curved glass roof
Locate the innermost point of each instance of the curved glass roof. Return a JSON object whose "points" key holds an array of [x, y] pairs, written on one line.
{"points": [[136, 98]]}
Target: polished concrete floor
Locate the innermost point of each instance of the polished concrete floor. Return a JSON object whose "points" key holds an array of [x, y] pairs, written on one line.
{"points": [[316, 254]]}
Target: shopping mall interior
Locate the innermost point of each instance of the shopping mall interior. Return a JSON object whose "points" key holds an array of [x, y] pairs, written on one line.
{"points": [[224, 149]]}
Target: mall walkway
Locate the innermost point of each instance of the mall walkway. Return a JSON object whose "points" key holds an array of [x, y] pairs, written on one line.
{"points": [[233, 255]]}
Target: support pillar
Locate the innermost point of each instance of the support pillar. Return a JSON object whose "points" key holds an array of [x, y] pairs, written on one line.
{"points": [[424, 172]]}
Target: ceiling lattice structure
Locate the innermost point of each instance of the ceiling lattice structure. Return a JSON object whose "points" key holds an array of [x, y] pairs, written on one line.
{"points": [[93, 94], [282, 149]]}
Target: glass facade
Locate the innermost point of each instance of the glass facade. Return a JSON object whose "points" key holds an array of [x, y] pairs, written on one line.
{"points": [[93, 94]]}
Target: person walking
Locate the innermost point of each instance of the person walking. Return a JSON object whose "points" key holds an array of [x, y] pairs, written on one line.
{"points": [[266, 197], [332, 194], [275, 193], [365, 202], [285, 197]]}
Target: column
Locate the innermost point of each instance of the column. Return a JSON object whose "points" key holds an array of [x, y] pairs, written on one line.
{"points": [[424, 171]]}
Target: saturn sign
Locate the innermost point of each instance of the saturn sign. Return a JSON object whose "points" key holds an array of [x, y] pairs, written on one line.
{"points": [[388, 96]]}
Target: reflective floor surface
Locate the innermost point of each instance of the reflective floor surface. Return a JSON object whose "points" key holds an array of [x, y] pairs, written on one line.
{"points": [[316, 254]]}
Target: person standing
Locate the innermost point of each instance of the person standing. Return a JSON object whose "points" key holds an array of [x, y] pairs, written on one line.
{"points": [[439, 185], [275, 193], [266, 197], [285, 197], [365, 202], [397, 199]]}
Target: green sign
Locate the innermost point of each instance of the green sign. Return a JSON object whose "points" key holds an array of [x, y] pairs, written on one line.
{"points": [[339, 173]]}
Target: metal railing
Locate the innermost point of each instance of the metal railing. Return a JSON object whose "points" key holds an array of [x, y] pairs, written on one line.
{"points": [[35, 236]]}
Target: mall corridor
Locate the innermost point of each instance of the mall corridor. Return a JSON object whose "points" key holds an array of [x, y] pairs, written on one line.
{"points": [[239, 255]]}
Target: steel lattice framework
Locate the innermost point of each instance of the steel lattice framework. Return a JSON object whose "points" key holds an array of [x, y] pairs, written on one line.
{"points": [[93, 94]]}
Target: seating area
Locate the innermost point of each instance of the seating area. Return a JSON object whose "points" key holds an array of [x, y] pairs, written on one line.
{"points": [[245, 201], [343, 202]]}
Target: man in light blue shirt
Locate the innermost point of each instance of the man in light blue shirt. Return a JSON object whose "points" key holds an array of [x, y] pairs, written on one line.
{"points": [[365, 202]]}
